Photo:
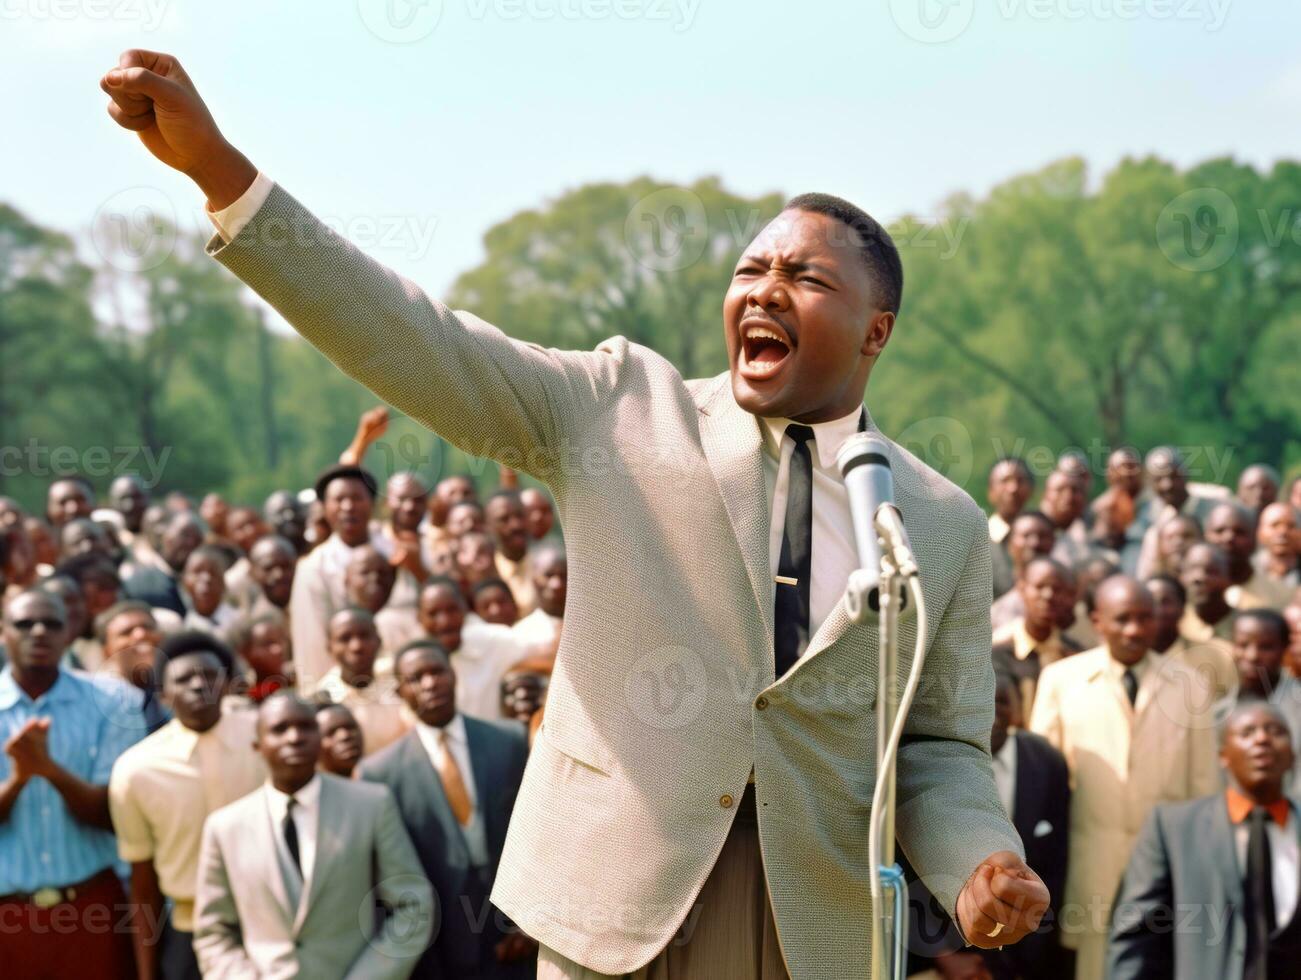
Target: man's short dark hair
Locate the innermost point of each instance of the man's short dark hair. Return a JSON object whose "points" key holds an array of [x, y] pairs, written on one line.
{"points": [[240, 632], [874, 243], [194, 641], [1268, 616], [443, 581], [1168, 580], [420, 643], [489, 583], [502, 493], [76, 478], [1016, 461], [215, 552], [90, 567], [119, 609], [1036, 515], [1243, 708], [341, 471]]}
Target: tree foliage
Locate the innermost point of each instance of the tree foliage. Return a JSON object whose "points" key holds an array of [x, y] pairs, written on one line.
{"points": [[1155, 305]]}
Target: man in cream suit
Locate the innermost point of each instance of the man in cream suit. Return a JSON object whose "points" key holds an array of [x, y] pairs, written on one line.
{"points": [[1136, 730], [708, 754], [311, 875]]}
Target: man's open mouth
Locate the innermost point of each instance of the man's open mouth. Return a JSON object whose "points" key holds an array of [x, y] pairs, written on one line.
{"points": [[764, 348]]}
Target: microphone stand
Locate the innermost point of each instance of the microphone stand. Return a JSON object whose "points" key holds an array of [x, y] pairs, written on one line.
{"points": [[889, 897], [890, 920]]}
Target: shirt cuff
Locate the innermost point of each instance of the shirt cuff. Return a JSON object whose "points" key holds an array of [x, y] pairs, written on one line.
{"points": [[230, 220]]}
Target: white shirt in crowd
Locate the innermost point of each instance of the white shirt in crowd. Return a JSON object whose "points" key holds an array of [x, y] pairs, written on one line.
{"points": [[307, 819], [487, 651]]}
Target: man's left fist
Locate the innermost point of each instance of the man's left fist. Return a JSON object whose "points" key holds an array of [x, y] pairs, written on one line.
{"points": [[1002, 902]]}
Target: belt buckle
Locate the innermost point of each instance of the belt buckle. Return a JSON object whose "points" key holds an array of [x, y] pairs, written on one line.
{"points": [[47, 898]]}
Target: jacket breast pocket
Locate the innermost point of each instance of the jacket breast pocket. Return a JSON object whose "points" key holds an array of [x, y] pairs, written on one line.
{"points": [[583, 748]]}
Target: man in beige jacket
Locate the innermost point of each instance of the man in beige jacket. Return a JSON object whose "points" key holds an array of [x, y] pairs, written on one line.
{"points": [[1136, 730], [708, 754]]}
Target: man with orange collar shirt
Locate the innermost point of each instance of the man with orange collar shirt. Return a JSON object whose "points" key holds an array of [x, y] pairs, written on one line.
{"points": [[1221, 872]]}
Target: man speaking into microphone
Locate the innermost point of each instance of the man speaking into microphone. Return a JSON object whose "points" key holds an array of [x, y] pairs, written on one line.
{"points": [[721, 834]]}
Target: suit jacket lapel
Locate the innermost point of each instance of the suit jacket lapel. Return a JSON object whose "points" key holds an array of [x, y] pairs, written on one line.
{"points": [[421, 767], [481, 769], [1219, 832], [733, 444], [264, 845], [329, 845]]}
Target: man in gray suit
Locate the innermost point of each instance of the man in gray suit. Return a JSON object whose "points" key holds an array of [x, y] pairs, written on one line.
{"points": [[708, 753], [1212, 885], [311, 875], [455, 779]]}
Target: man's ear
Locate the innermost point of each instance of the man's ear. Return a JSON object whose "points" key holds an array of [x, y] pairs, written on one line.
{"points": [[879, 328]]}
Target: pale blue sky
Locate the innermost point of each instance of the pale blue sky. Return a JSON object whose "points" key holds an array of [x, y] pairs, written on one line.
{"points": [[505, 103]]}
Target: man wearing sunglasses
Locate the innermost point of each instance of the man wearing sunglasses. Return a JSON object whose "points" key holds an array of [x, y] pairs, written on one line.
{"points": [[60, 900]]}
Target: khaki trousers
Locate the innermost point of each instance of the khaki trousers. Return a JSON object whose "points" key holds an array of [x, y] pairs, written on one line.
{"points": [[729, 934]]}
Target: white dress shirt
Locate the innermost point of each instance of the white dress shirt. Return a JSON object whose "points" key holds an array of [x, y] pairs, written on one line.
{"points": [[1005, 772], [476, 838], [307, 818], [1285, 862], [230, 220], [319, 592], [539, 628], [835, 554], [486, 652]]}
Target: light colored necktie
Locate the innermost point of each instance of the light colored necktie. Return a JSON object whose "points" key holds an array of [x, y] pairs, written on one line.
{"points": [[458, 797]]}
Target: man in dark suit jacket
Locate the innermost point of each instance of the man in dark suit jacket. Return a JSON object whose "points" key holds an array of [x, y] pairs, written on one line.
{"points": [[455, 779], [1034, 784], [1211, 891]]}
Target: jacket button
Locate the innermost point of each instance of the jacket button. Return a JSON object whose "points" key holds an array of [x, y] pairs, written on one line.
{"points": [[725, 801], [761, 702]]}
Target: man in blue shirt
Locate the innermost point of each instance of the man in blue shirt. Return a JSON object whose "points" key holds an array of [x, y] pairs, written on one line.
{"points": [[62, 907]]}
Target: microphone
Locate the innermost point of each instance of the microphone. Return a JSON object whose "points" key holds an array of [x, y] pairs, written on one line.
{"points": [[864, 464]]}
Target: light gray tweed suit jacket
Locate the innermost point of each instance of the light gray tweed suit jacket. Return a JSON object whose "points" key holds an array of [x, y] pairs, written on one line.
{"points": [[663, 696], [246, 925]]}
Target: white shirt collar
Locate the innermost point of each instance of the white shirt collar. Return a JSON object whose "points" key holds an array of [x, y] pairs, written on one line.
{"points": [[305, 799], [829, 436], [455, 730], [1117, 669]]}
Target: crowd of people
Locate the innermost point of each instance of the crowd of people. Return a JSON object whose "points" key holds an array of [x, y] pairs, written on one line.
{"points": [[260, 741], [364, 666], [1147, 724]]}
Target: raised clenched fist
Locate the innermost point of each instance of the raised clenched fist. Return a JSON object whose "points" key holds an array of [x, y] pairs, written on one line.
{"points": [[153, 96]]}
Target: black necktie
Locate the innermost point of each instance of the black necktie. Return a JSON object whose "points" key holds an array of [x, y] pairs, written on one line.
{"points": [[791, 607], [1259, 905], [290, 830], [1131, 684]]}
